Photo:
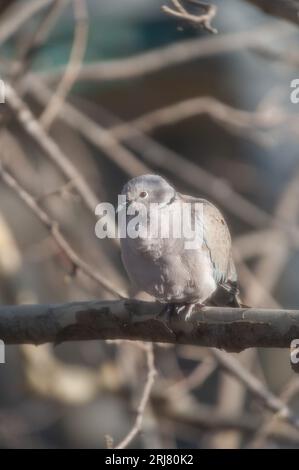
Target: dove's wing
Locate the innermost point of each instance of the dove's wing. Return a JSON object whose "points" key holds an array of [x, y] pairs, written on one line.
{"points": [[217, 241]]}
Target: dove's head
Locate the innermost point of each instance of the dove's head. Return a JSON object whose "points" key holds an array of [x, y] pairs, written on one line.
{"points": [[149, 189]]}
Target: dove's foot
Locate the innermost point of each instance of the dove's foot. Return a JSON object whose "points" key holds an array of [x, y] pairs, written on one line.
{"points": [[177, 309], [187, 309]]}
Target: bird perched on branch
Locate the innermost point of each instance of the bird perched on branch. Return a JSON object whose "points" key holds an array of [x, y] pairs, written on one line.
{"points": [[168, 263]]}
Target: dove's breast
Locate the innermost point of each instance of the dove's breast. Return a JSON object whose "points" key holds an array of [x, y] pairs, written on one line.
{"points": [[171, 275]]}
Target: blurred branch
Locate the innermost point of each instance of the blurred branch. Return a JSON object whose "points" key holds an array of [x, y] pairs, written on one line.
{"points": [[255, 386], [51, 149], [60, 240], [95, 133], [72, 68], [151, 374], [232, 329], [18, 14], [172, 55], [203, 19], [286, 9]]}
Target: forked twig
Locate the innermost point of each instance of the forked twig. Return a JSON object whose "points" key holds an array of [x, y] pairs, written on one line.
{"points": [[151, 374], [204, 19]]}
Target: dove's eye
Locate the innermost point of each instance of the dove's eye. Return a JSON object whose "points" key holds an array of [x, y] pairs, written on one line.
{"points": [[143, 194]]}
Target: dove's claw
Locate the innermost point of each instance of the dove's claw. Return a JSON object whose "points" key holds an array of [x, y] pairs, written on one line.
{"points": [[187, 309], [176, 309]]}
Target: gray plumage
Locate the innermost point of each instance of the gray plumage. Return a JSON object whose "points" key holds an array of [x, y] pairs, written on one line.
{"points": [[163, 267]]}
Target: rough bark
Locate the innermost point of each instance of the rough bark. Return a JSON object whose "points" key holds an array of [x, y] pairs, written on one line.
{"points": [[231, 329]]}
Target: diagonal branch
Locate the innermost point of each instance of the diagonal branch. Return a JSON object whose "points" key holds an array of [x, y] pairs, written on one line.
{"points": [[72, 68], [204, 19], [176, 54], [54, 230], [51, 149], [285, 9]]}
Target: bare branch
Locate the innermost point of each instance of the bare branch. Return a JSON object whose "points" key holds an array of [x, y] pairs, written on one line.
{"points": [[237, 120], [203, 19], [18, 14], [235, 368], [151, 374], [56, 234], [36, 39]]}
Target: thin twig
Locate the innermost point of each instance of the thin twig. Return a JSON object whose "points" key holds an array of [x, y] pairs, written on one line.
{"points": [[273, 403], [235, 119], [151, 374], [52, 150], [203, 19], [286, 9], [18, 14], [73, 67], [156, 154], [267, 426]]}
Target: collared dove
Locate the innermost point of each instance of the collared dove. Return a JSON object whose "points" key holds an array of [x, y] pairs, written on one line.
{"points": [[164, 267]]}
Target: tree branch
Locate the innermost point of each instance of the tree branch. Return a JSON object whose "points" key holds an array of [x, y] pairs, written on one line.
{"points": [[232, 329]]}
